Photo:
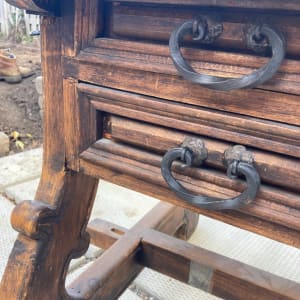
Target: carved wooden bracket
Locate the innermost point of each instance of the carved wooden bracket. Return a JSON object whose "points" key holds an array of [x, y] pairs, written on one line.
{"points": [[33, 219], [41, 7]]}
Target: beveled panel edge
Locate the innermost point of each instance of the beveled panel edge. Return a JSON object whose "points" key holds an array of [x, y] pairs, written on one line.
{"points": [[277, 137], [103, 165], [247, 4]]}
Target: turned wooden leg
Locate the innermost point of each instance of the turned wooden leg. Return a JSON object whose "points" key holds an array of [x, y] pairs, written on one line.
{"points": [[50, 236]]}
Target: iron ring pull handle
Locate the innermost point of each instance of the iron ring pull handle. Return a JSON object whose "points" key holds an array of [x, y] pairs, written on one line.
{"points": [[276, 42], [205, 202]]}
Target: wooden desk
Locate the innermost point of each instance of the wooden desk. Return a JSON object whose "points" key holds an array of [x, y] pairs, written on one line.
{"points": [[116, 108]]}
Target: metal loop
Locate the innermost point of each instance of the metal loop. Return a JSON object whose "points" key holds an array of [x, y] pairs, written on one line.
{"points": [[199, 29], [212, 203], [276, 42]]}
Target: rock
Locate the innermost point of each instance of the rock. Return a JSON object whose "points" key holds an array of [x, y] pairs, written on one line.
{"points": [[39, 84], [23, 191], [21, 167], [40, 101], [4, 144]]}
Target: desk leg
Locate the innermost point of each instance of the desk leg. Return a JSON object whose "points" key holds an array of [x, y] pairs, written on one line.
{"points": [[50, 236]]}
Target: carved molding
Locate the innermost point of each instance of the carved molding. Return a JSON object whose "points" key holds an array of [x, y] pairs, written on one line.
{"points": [[42, 7]]}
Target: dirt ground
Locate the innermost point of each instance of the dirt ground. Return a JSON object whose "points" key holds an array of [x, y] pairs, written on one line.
{"points": [[19, 109]]}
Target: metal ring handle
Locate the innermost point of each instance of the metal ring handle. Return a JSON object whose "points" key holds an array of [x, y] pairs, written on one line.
{"points": [[276, 42], [210, 203]]}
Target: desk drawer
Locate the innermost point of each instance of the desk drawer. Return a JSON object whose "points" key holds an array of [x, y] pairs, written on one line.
{"points": [[154, 22], [148, 70], [134, 105], [132, 134], [132, 53]]}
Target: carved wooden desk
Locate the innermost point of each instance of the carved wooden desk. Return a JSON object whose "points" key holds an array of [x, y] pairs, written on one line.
{"points": [[162, 97]]}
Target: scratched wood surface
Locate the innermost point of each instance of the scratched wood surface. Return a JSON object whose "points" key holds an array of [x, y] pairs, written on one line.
{"points": [[114, 103]]}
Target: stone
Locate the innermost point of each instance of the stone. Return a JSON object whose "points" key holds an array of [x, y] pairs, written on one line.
{"points": [[21, 167], [40, 102], [119, 205], [39, 85], [4, 144], [23, 191]]}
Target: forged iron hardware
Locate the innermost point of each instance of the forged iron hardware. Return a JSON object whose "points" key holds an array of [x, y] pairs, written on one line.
{"points": [[236, 153], [235, 168], [197, 147], [258, 37]]}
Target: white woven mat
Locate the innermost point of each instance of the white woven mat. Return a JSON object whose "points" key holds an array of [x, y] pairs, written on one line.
{"points": [[125, 207], [7, 234]]}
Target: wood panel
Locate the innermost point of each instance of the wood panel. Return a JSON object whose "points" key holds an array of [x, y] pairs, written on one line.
{"points": [[274, 169], [50, 236], [271, 205], [256, 4], [153, 185], [124, 69], [271, 136], [82, 22], [155, 23]]}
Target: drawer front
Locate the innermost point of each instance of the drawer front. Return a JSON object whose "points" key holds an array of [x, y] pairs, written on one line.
{"points": [[132, 105], [130, 141], [155, 23], [265, 135], [133, 55]]}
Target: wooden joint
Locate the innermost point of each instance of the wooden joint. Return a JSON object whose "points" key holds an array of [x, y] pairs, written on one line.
{"points": [[40, 7], [196, 266], [32, 219]]}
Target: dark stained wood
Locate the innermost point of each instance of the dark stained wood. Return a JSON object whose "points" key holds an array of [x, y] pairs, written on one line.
{"points": [[122, 70], [263, 4], [43, 251], [230, 279], [43, 224], [265, 207], [80, 24], [155, 23], [80, 122], [118, 127], [273, 169], [266, 218], [103, 233], [178, 222], [226, 277], [254, 132], [151, 161], [114, 270]]}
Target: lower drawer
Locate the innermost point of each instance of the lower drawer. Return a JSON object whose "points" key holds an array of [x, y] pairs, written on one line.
{"points": [[126, 147]]}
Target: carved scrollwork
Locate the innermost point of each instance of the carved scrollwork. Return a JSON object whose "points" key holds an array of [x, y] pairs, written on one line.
{"points": [[33, 219], [41, 7]]}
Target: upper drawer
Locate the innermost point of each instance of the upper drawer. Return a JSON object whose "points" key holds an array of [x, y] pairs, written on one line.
{"points": [[131, 54], [147, 69], [156, 22], [257, 4]]}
